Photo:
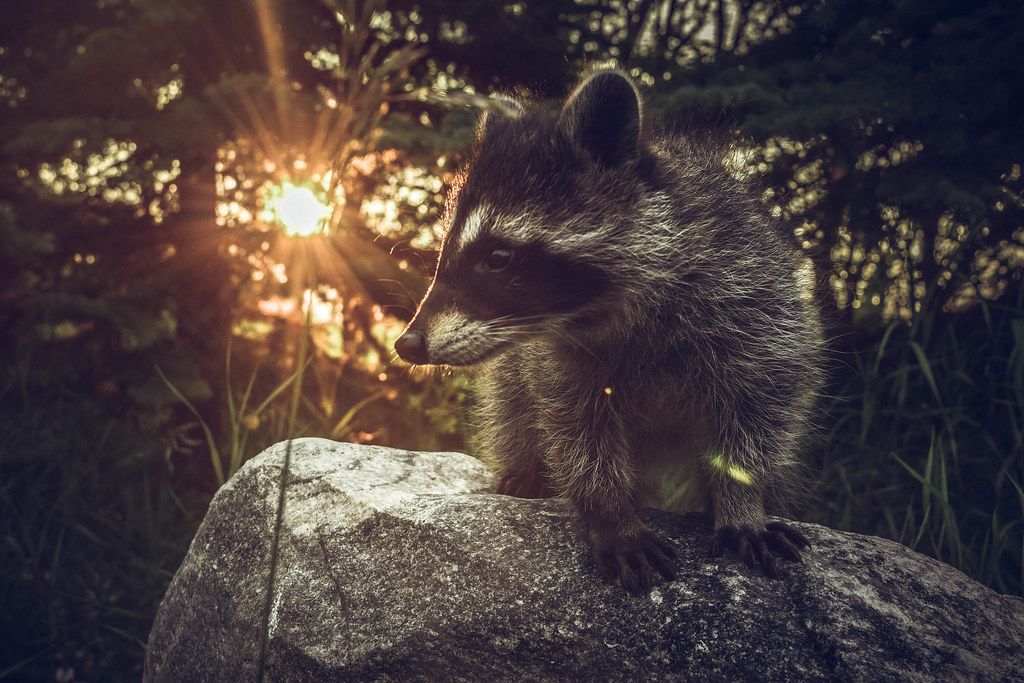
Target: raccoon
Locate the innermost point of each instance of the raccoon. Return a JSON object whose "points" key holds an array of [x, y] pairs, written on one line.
{"points": [[629, 303]]}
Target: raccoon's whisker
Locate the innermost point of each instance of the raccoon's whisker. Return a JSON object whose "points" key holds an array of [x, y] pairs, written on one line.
{"points": [[514, 325], [402, 307], [514, 319], [566, 336], [401, 284], [512, 335], [519, 330]]}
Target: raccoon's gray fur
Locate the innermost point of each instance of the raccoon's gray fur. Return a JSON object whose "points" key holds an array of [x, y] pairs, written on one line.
{"points": [[629, 303]]}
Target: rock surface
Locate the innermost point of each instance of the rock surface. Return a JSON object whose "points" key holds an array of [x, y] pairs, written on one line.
{"points": [[398, 565]]}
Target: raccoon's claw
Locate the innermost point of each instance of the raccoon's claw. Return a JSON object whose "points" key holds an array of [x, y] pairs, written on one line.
{"points": [[758, 548], [524, 484], [786, 541], [633, 560]]}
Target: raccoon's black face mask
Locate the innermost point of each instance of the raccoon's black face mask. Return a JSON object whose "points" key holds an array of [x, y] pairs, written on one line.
{"points": [[510, 267], [492, 294]]}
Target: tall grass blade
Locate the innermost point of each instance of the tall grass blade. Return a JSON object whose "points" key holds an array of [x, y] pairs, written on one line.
{"points": [[275, 542], [350, 414], [926, 368], [211, 443]]}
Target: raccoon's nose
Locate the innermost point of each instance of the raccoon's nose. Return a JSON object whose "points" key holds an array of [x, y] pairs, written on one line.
{"points": [[412, 347]]}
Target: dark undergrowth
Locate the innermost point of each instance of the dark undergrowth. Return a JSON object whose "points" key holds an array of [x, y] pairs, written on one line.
{"points": [[924, 440], [92, 532]]}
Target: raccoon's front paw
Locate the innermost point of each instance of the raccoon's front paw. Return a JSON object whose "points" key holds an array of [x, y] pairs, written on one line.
{"points": [[524, 484], [632, 558], [758, 547]]}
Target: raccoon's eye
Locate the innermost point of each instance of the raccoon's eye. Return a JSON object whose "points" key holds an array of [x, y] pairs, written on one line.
{"points": [[497, 259]]}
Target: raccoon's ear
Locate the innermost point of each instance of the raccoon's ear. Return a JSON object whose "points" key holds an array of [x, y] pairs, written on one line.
{"points": [[497, 106], [602, 117]]}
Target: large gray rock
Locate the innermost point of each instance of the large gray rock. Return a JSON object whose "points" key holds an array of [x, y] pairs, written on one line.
{"points": [[398, 565]]}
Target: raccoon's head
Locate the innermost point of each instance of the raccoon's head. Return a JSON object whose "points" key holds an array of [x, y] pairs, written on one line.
{"points": [[525, 252]]}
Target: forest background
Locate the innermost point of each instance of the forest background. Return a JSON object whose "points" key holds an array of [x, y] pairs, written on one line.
{"points": [[193, 192]]}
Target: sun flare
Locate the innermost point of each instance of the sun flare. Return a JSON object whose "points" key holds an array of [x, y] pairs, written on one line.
{"points": [[298, 209]]}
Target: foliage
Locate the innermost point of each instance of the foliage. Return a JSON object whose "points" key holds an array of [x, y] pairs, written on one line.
{"points": [[93, 529], [889, 133]]}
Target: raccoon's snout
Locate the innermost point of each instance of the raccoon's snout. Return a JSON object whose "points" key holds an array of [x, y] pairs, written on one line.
{"points": [[450, 338], [412, 347]]}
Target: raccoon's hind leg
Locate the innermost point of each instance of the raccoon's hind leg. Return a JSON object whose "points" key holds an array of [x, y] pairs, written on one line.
{"points": [[510, 434]]}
